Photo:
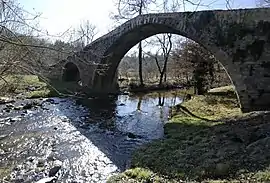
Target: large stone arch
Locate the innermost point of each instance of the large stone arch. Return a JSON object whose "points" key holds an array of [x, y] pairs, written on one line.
{"points": [[117, 51], [239, 39]]}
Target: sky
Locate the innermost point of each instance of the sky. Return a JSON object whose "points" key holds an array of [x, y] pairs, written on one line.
{"points": [[60, 15]]}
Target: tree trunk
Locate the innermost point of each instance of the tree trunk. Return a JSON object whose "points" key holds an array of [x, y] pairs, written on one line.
{"points": [[199, 77], [140, 64], [161, 78], [140, 50]]}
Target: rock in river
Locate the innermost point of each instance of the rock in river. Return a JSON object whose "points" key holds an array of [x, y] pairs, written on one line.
{"points": [[9, 106], [46, 180], [17, 108], [54, 170], [5, 100], [50, 100], [28, 106], [131, 135], [14, 119]]}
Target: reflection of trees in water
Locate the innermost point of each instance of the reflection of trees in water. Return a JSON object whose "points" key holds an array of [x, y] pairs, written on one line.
{"points": [[101, 109], [161, 113], [161, 99], [174, 99], [139, 103]]}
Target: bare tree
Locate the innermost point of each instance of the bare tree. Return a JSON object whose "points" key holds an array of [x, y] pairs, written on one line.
{"points": [[165, 44], [200, 63], [263, 3], [128, 9], [15, 30], [86, 32]]}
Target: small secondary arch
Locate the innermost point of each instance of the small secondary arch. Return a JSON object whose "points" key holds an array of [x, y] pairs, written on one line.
{"points": [[71, 73]]}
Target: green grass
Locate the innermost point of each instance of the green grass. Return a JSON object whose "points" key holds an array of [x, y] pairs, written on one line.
{"points": [[211, 107], [20, 84], [40, 94], [234, 148], [140, 175], [164, 93], [224, 90], [5, 171], [16, 84]]}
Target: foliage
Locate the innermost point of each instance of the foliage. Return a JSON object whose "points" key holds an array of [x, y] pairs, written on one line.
{"points": [[138, 175], [200, 62]]}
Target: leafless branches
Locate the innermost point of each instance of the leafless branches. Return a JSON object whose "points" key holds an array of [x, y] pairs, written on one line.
{"points": [[263, 3]]}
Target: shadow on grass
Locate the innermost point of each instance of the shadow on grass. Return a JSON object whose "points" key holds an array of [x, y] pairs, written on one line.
{"points": [[187, 112], [199, 150]]}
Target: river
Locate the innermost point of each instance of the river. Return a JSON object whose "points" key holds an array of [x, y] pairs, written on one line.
{"points": [[77, 141]]}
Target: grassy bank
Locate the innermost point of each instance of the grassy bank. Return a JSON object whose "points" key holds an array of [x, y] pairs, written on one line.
{"points": [[213, 142], [162, 93], [28, 85], [31, 86]]}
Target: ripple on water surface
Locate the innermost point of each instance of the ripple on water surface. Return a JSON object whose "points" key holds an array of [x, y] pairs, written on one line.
{"points": [[75, 143]]}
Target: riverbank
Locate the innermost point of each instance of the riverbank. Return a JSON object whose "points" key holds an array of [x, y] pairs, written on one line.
{"points": [[208, 139], [31, 86], [153, 87], [25, 86]]}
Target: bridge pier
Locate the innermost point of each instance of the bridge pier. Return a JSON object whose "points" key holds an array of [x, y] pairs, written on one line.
{"points": [[105, 86]]}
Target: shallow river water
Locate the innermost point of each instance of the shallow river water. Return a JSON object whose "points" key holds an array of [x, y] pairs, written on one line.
{"points": [[77, 141]]}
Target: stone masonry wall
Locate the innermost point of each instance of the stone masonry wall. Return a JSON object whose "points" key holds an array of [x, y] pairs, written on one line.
{"points": [[239, 39]]}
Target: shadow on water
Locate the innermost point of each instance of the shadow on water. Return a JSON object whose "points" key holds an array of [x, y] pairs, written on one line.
{"points": [[126, 122], [92, 138], [102, 110]]}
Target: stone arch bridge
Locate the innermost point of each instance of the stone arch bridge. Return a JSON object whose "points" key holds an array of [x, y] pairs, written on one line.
{"points": [[239, 39]]}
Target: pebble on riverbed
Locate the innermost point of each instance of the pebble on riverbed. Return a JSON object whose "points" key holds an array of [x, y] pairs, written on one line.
{"points": [[6, 110], [2, 151], [50, 100], [131, 135], [9, 106], [5, 100], [14, 119], [17, 108], [28, 106], [46, 180], [41, 163]]}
